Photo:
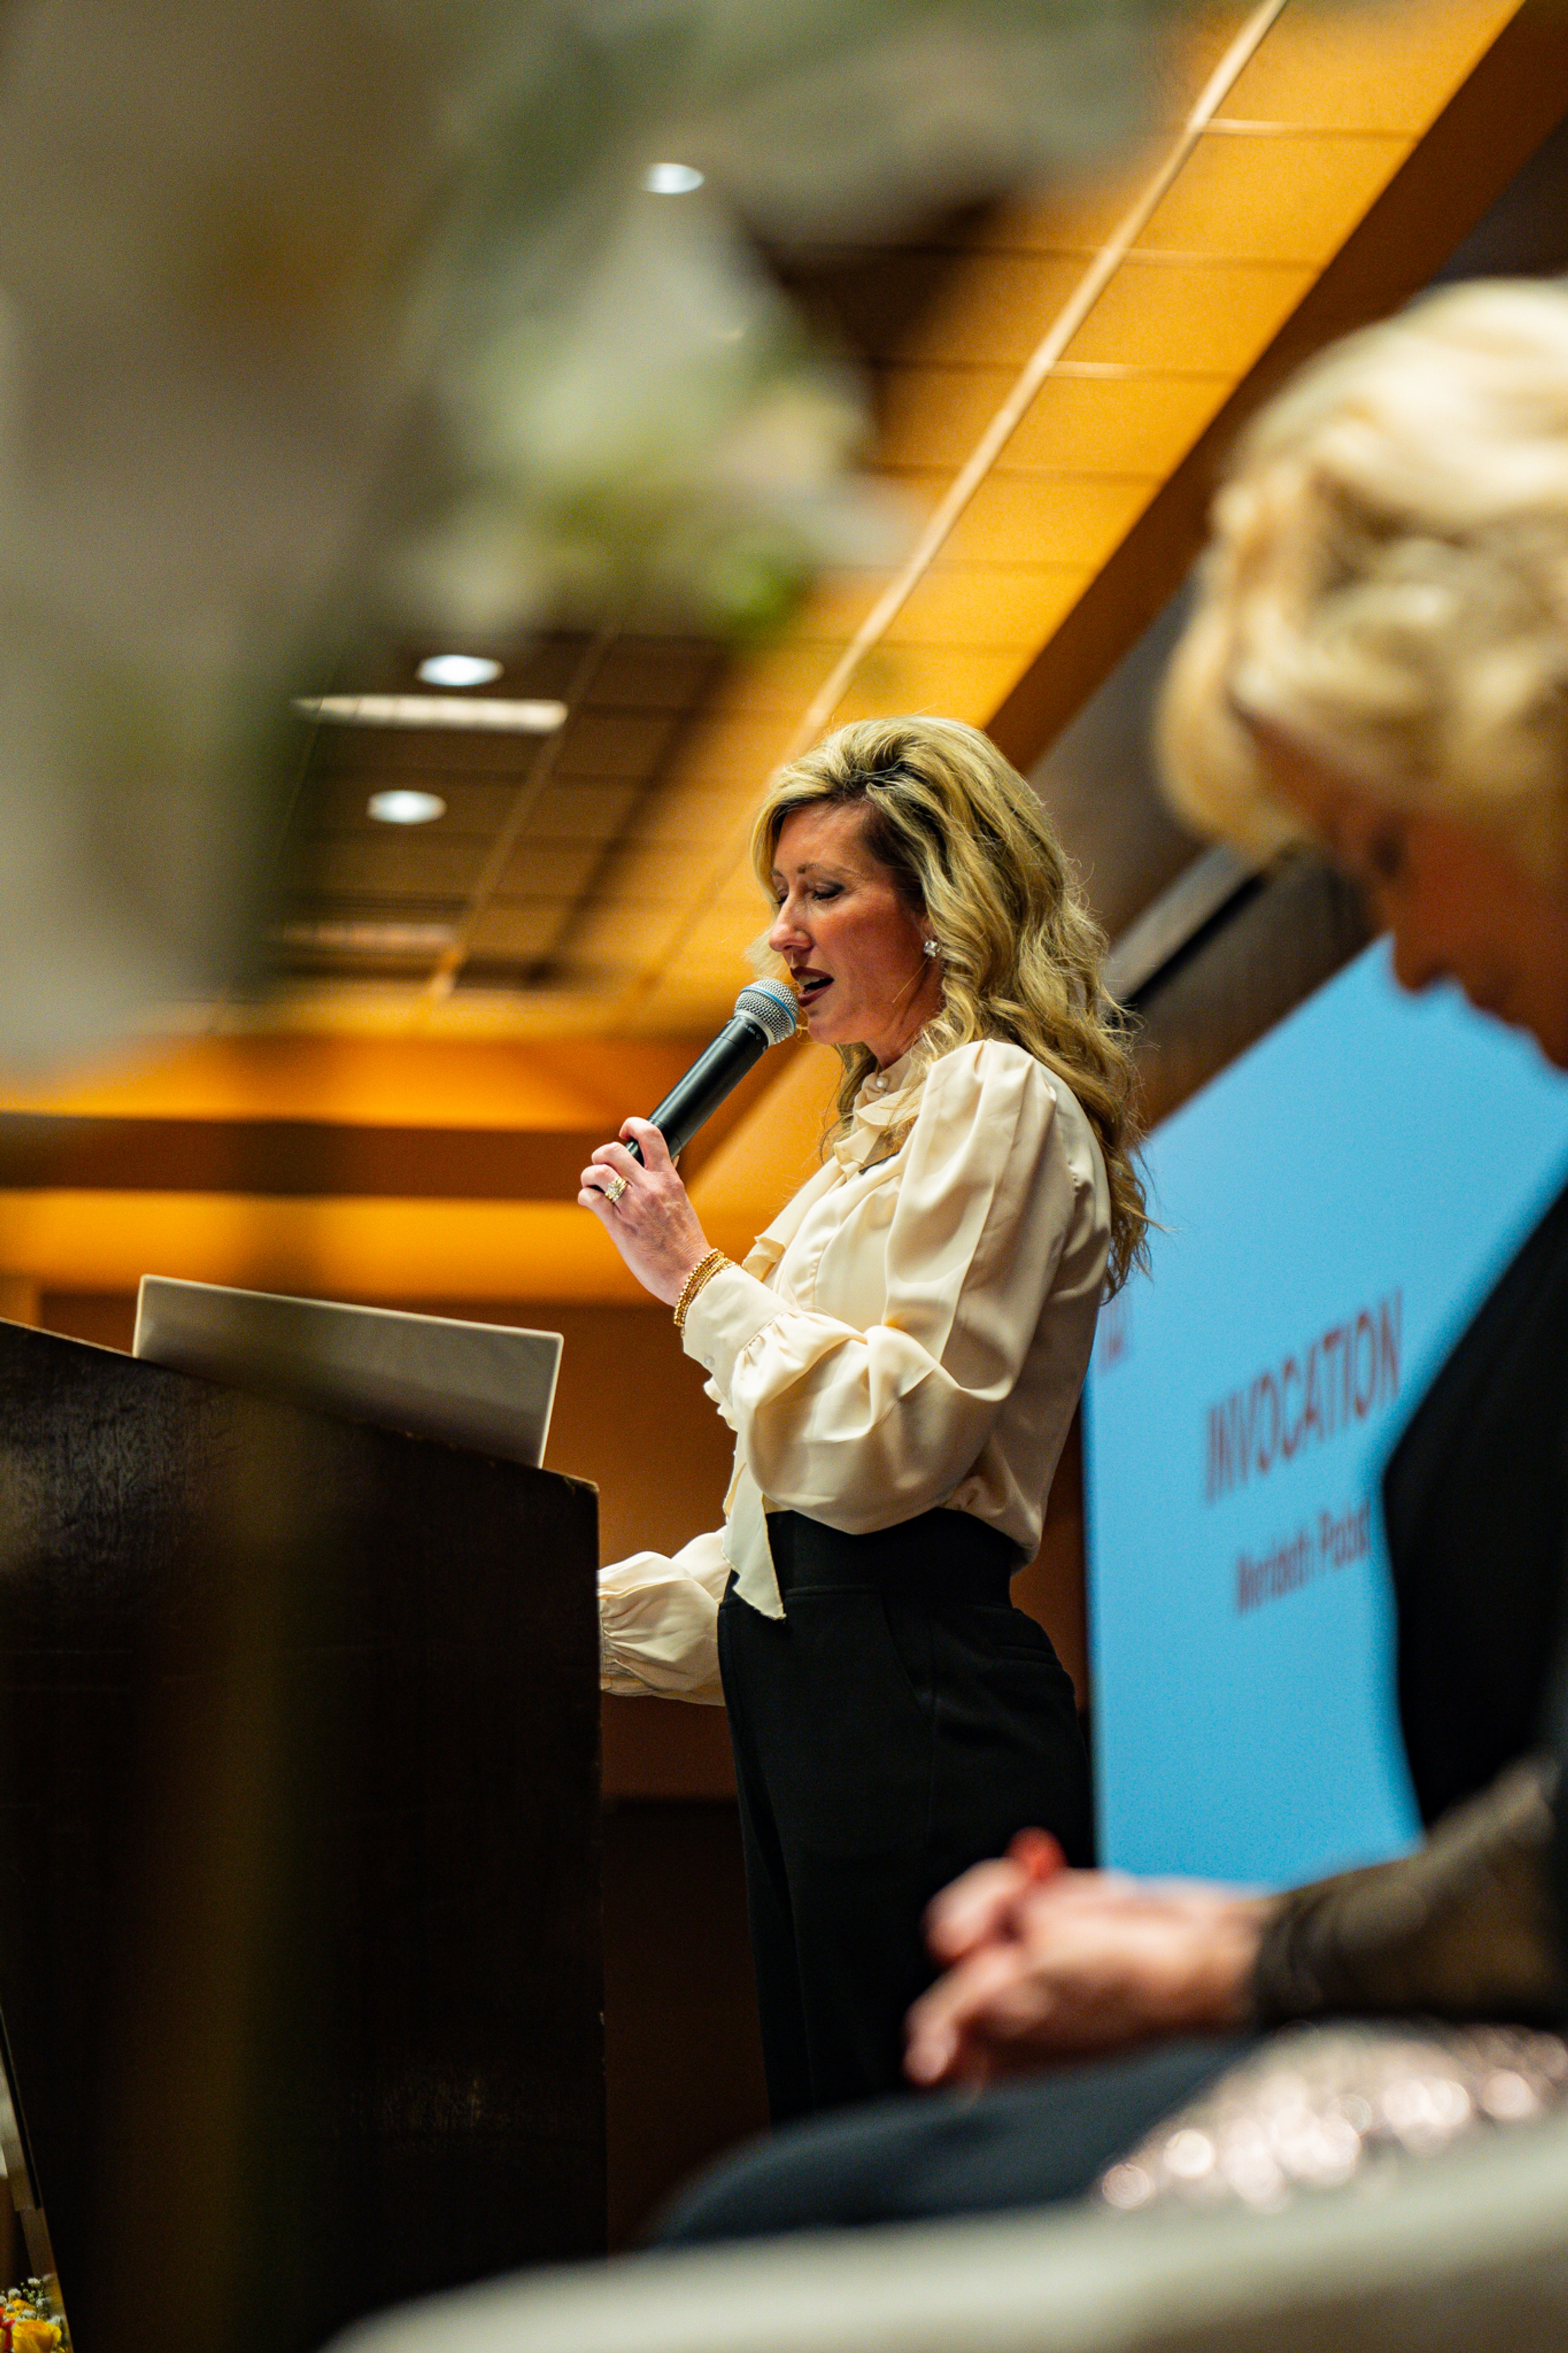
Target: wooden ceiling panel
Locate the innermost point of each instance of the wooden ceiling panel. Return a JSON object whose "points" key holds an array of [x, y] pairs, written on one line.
{"points": [[399, 755], [1387, 68], [777, 684], [862, 296], [991, 312], [646, 873], [1193, 51], [720, 751], [615, 743], [1085, 417], [519, 930], [1275, 196], [393, 862], [1042, 518], [549, 870], [583, 808], [735, 903], [662, 674], [988, 606], [1212, 316], [610, 936], [1078, 215], [931, 415], [1125, 423], [965, 682], [838, 605], [700, 818]]}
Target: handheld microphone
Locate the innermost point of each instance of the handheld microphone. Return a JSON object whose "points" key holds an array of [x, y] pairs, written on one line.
{"points": [[764, 1016]]}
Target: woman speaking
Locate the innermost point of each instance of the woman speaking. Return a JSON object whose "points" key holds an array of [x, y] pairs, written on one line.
{"points": [[899, 1358]]}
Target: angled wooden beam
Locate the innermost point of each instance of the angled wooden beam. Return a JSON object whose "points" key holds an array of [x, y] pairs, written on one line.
{"points": [[1515, 96]]}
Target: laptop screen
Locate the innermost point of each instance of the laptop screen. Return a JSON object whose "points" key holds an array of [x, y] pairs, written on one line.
{"points": [[489, 1386]]}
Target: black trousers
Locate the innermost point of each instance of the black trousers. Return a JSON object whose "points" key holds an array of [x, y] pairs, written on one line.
{"points": [[1028, 2144], [900, 1722]]}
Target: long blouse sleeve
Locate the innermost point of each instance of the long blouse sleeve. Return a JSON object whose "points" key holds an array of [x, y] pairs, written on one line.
{"points": [[658, 1616], [864, 1426]]}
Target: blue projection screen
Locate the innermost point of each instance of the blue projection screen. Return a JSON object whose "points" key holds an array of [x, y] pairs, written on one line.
{"points": [[1334, 1209]]}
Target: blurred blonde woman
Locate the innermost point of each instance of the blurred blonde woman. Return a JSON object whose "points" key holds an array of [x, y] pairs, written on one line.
{"points": [[899, 1358], [1377, 666]]}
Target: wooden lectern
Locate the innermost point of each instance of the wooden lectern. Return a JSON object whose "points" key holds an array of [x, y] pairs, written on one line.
{"points": [[299, 1958]]}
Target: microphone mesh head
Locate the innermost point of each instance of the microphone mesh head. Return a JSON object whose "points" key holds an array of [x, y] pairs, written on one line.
{"points": [[772, 1006]]}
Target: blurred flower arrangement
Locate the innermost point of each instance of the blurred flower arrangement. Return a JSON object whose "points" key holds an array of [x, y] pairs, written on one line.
{"points": [[631, 415], [28, 2323], [349, 305]]}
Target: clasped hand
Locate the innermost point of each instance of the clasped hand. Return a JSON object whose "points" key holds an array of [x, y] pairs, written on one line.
{"points": [[1044, 1963], [652, 1223]]}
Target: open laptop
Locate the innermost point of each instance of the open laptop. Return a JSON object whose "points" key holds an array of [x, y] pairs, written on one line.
{"points": [[485, 1386]]}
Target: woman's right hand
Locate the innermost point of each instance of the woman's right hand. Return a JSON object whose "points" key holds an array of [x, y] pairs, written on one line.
{"points": [[650, 1218], [1052, 1964]]}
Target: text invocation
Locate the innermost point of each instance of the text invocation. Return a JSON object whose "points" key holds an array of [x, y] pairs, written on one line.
{"points": [[1345, 1375]]}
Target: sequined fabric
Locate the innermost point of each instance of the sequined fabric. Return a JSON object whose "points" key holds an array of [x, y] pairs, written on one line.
{"points": [[1319, 2107]]}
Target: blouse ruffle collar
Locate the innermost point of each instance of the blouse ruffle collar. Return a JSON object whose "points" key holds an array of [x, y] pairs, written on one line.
{"points": [[886, 1101]]}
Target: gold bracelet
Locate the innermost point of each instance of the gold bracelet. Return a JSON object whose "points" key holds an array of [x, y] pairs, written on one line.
{"points": [[702, 1272]]}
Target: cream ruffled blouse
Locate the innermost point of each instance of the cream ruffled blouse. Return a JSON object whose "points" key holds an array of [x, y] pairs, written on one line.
{"points": [[911, 1330]]}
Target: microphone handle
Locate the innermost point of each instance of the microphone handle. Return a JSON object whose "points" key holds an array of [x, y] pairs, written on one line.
{"points": [[738, 1046]]}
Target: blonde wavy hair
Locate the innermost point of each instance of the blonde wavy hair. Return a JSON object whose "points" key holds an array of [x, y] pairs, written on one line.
{"points": [[968, 847], [1388, 581]]}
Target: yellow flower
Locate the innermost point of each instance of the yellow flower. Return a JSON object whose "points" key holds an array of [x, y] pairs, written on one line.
{"points": [[35, 2335]]}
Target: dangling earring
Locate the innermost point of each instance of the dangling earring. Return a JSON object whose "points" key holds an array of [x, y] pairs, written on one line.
{"points": [[932, 948]]}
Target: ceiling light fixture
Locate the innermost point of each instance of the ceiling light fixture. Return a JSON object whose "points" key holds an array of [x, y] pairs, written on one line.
{"points": [[477, 710], [366, 939], [405, 807], [459, 669], [672, 179]]}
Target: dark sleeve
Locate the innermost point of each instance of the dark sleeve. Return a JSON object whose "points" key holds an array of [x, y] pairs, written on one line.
{"points": [[1465, 1927], [1557, 1739]]}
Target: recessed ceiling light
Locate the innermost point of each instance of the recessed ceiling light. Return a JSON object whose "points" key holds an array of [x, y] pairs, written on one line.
{"points": [[672, 179], [459, 669], [366, 939], [473, 711], [405, 807]]}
